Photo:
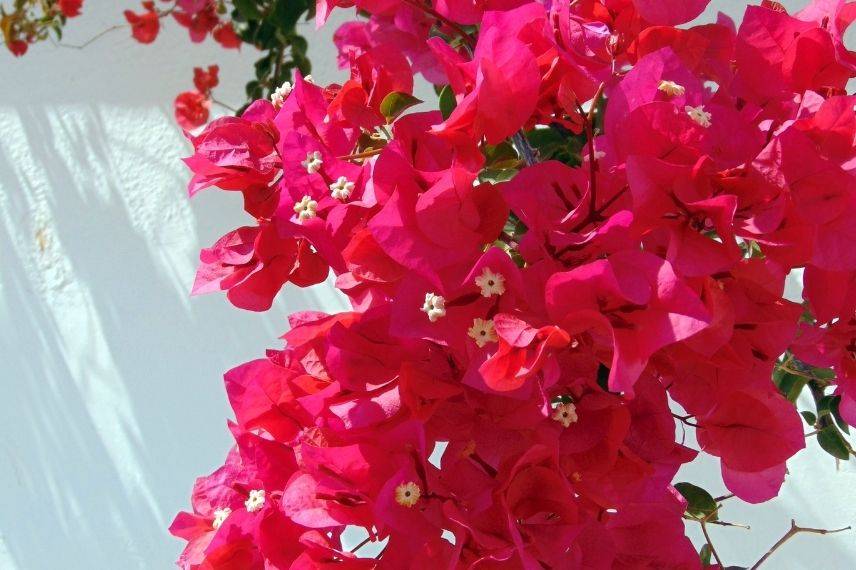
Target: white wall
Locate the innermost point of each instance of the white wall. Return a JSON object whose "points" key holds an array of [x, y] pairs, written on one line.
{"points": [[110, 374]]}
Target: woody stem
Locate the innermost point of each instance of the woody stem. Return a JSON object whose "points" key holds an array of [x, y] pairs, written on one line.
{"points": [[793, 531]]}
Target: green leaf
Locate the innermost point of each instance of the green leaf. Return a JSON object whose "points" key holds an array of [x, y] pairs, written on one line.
{"points": [[514, 226], [603, 377], [790, 385], [287, 13], [254, 90], [833, 407], [700, 503], [263, 67], [502, 155], [496, 175], [832, 442], [824, 406], [704, 554], [556, 143], [248, 9], [299, 44], [447, 102], [265, 37], [396, 103], [809, 417], [823, 373]]}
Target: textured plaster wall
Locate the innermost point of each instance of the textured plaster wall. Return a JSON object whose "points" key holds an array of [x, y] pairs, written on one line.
{"points": [[110, 374]]}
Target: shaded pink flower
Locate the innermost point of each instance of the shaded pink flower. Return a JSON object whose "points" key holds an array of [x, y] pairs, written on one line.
{"points": [[622, 296]]}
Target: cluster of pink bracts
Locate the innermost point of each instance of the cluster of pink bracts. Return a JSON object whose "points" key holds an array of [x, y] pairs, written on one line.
{"points": [[531, 332]]}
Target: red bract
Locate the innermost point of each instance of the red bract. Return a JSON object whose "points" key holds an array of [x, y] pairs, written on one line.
{"points": [[625, 295], [594, 231], [18, 47], [754, 432], [206, 80], [191, 109], [70, 8], [498, 88], [238, 153], [145, 26], [199, 18], [224, 34], [670, 12], [252, 264]]}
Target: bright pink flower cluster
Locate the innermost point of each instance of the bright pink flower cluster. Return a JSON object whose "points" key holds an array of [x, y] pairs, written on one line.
{"points": [[499, 396]]}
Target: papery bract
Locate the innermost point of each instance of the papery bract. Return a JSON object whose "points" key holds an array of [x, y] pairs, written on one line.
{"points": [[587, 244]]}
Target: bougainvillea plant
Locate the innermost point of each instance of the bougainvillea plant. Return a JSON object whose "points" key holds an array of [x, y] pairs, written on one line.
{"points": [[584, 246], [579, 256], [269, 26]]}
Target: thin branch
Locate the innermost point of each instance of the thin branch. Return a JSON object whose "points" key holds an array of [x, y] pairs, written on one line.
{"points": [[367, 540], [703, 522], [592, 153], [224, 105], [720, 523], [364, 154], [113, 28], [685, 419], [526, 151], [94, 38], [793, 531]]}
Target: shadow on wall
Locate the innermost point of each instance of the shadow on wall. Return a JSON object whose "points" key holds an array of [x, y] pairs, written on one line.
{"points": [[110, 375]]}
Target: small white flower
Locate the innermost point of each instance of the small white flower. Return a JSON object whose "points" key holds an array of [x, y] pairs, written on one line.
{"points": [[598, 155], [671, 88], [482, 332], [341, 189], [220, 516], [407, 494], [255, 501], [434, 307], [699, 115], [565, 414], [313, 162], [308, 79], [490, 283], [306, 209], [282, 92]]}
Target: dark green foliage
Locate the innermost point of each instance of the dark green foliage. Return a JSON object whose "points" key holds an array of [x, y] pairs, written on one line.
{"points": [[271, 27]]}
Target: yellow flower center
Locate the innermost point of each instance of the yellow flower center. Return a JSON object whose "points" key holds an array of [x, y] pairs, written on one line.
{"points": [[407, 494]]}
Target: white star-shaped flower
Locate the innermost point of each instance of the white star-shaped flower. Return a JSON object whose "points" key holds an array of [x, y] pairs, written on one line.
{"points": [[434, 307], [490, 283], [565, 414], [671, 88], [255, 501], [407, 494], [282, 92], [699, 115], [313, 162], [306, 209], [220, 515], [482, 332], [342, 188]]}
